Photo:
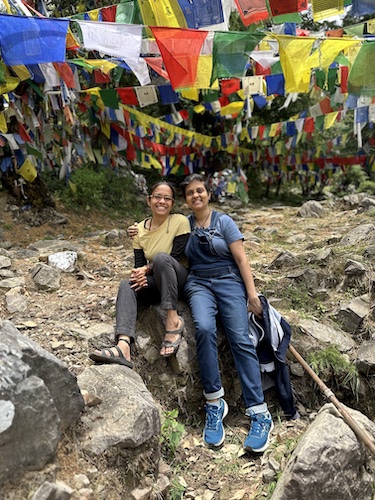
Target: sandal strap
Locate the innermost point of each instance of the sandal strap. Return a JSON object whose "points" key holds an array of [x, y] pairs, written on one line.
{"points": [[119, 352], [125, 340], [105, 351]]}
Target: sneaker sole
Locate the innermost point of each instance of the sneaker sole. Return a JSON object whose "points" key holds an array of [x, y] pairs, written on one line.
{"points": [[216, 445], [264, 447]]}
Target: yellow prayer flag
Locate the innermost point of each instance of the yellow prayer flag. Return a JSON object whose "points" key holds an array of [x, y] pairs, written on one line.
{"points": [[28, 171], [328, 50], [7, 6], [11, 82], [231, 189], [22, 72], [204, 70], [3, 123], [199, 108], [104, 66], [294, 52], [94, 14], [233, 108], [330, 120], [273, 129], [162, 13], [191, 94], [106, 129], [327, 8]]}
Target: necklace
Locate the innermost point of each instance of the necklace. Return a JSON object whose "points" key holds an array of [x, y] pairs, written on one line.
{"points": [[201, 224], [155, 228]]}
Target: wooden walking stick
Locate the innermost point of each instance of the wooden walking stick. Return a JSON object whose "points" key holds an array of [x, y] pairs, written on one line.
{"points": [[360, 433]]}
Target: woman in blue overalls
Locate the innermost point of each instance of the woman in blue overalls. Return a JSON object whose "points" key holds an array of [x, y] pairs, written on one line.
{"points": [[220, 282]]}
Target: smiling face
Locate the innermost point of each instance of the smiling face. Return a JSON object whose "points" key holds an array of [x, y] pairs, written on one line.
{"points": [[161, 200], [197, 196]]}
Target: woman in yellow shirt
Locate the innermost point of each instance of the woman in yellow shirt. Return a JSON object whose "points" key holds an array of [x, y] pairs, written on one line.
{"points": [[159, 274]]}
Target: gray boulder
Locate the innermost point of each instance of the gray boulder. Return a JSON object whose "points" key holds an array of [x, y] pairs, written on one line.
{"points": [[330, 462], [39, 398]]}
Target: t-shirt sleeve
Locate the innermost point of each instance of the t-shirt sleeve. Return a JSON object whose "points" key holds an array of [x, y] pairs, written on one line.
{"points": [[183, 225], [229, 229]]}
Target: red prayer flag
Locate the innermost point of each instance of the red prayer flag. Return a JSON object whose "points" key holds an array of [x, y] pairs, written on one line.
{"points": [[325, 106], [259, 70], [23, 133], [180, 49], [309, 125], [344, 72], [100, 77], [252, 11], [109, 13], [128, 96], [281, 7], [156, 63], [66, 73], [229, 86]]}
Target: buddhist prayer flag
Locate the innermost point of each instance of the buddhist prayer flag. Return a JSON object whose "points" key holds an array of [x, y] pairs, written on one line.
{"points": [[280, 7], [28, 40], [231, 51], [327, 8], [180, 49], [252, 11], [200, 14], [361, 79], [363, 7], [162, 13]]}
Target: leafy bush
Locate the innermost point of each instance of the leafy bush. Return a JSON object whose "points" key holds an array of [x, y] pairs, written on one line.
{"points": [[367, 186], [350, 179], [171, 433], [92, 186], [332, 365]]}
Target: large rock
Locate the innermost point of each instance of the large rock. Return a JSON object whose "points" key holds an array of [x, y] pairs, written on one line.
{"points": [[363, 233], [60, 382], [39, 398], [327, 334], [330, 462], [127, 415]]}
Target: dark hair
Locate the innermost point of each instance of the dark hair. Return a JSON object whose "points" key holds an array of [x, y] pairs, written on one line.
{"points": [[191, 178], [163, 183]]}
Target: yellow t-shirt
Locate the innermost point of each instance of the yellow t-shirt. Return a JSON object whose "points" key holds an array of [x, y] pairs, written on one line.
{"points": [[160, 240]]}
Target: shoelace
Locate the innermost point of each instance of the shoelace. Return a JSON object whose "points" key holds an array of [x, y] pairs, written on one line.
{"points": [[257, 426], [212, 414]]}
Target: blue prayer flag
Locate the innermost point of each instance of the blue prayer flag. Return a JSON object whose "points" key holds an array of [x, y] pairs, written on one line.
{"points": [[363, 7], [28, 40]]}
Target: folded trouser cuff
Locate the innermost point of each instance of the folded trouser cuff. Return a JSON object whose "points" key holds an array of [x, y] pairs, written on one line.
{"points": [[213, 395], [262, 408]]}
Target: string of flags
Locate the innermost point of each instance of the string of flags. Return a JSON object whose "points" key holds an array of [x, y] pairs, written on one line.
{"points": [[225, 73]]}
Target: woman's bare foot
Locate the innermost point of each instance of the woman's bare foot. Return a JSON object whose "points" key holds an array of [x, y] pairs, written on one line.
{"points": [[173, 335]]}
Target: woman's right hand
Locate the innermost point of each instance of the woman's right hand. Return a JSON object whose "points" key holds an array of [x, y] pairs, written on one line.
{"points": [[132, 230]]}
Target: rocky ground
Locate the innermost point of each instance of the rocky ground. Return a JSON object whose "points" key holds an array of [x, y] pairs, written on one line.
{"points": [[86, 298]]}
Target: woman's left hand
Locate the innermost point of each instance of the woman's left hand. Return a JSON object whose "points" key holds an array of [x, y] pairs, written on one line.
{"points": [[138, 278], [254, 305]]}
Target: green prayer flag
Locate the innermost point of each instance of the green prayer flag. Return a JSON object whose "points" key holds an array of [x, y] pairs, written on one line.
{"points": [[110, 98], [361, 79], [293, 17], [230, 53], [34, 151]]}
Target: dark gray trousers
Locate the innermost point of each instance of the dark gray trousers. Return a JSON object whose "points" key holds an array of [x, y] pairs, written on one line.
{"points": [[165, 286]]}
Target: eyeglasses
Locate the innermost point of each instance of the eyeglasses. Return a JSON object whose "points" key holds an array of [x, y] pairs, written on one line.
{"points": [[159, 197]]}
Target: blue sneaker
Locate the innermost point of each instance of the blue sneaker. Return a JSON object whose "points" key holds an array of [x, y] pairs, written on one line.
{"points": [[261, 425], [214, 433]]}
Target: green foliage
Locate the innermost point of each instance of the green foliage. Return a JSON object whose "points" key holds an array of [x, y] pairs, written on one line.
{"points": [[352, 178], [97, 187], [171, 433], [331, 365], [177, 490], [367, 186]]}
